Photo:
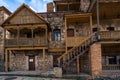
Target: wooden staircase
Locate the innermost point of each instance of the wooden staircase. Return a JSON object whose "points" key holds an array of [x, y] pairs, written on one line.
{"points": [[75, 52]]}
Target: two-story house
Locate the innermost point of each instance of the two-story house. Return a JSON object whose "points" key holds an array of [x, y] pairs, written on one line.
{"points": [[79, 36]]}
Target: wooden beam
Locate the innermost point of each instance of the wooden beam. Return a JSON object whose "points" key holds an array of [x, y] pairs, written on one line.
{"points": [[44, 67], [26, 26], [6, 60], [66, 35], [78, 65], [27, 48]]}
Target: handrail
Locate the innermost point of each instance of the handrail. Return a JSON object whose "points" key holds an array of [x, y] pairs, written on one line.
{"points": [[74, 48]]}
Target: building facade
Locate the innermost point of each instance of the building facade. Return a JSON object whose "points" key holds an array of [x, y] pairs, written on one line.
{"points": [[4, 14], [69, 36]]}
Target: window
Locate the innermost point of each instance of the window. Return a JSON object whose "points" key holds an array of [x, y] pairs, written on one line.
{"points": [[56, 34]]}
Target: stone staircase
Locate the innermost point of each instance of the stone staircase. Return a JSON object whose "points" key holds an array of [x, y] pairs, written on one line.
{"points": [[75, 52]]}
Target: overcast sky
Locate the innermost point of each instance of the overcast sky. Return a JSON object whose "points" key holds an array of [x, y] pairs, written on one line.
{"points": [[37, 5]]}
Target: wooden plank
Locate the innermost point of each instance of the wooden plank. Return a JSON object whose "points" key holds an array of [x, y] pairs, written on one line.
{"points": [[27, 48], [25, 25], [78, 65], [6, 60], [91, 24], [57, 50], [78, 15], [65, 35], [44, 67]]}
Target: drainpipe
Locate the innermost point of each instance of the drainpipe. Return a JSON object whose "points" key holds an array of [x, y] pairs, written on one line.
{"points": [[98, 22]]}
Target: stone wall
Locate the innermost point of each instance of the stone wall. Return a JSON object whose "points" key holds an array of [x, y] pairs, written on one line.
{"points": [[48, 62], [96, 59], [18, 62]]}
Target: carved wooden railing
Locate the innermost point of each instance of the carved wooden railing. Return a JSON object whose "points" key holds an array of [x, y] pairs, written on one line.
{"points": [[109, 35], [26, 42], [111, 67], [75, 52]]}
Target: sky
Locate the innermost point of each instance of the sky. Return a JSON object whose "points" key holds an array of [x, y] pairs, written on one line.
{"points": [[37, 5]]}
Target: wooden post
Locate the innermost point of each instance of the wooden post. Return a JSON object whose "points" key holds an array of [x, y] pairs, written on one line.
{"points": [[18, 35], [91, 23], [66, 34], [78, 65], [44, 67], [46, 34], [6, 60], [32, 31]]}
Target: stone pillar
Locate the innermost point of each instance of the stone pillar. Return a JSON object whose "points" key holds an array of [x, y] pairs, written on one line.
{"points": [[96, 59], [50, 7], [58, 71]]}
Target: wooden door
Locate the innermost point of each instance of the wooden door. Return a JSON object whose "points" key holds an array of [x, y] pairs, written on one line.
{"points": [[70, 32], [31, 62]]}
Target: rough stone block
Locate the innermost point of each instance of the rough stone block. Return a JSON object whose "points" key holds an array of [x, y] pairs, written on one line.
{"points": [[58, 72]]}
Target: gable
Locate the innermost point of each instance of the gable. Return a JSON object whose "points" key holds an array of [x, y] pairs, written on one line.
{"points": [[24, 15]]}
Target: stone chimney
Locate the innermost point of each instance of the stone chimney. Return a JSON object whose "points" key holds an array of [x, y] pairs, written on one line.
{"points": [[50, 7]]}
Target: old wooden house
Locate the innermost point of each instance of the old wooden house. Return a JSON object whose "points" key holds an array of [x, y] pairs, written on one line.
{"points": [[79, 36]]}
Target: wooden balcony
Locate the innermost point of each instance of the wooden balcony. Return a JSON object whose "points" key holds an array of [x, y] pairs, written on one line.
{"points": [[74, 41], [25, 42], [110, 35], [111, 67]]}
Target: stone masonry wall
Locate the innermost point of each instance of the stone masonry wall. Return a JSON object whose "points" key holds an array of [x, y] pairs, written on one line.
{"points": [[48, 62], [95, 59], [50, 7], [18, 62]]}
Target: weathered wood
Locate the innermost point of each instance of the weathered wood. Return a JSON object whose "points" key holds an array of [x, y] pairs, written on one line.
{"points": [[91, 24], [78, 65], [110, 35], [44, 66], [74, 41], [26, 42], [57, 50], [6, 60], [27, 48], [65, 35]]}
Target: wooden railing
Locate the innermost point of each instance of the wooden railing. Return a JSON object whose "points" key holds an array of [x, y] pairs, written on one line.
{"points": [[26, 42], [56, 44], [74, 41], [110, 35], [75, 52], [111, 67]]}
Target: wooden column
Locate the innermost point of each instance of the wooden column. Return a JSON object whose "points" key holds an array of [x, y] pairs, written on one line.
{"points": [[91, 23], [18, 35], [78, 65], [66, 35], [32, 32], [46, 34], [44, 67], [6, 60]]}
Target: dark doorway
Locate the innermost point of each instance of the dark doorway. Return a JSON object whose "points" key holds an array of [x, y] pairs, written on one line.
{"points": [[31, 62]]}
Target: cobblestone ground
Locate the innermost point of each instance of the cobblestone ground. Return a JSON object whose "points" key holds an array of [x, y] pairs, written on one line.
{"points": [[27, 78]]}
